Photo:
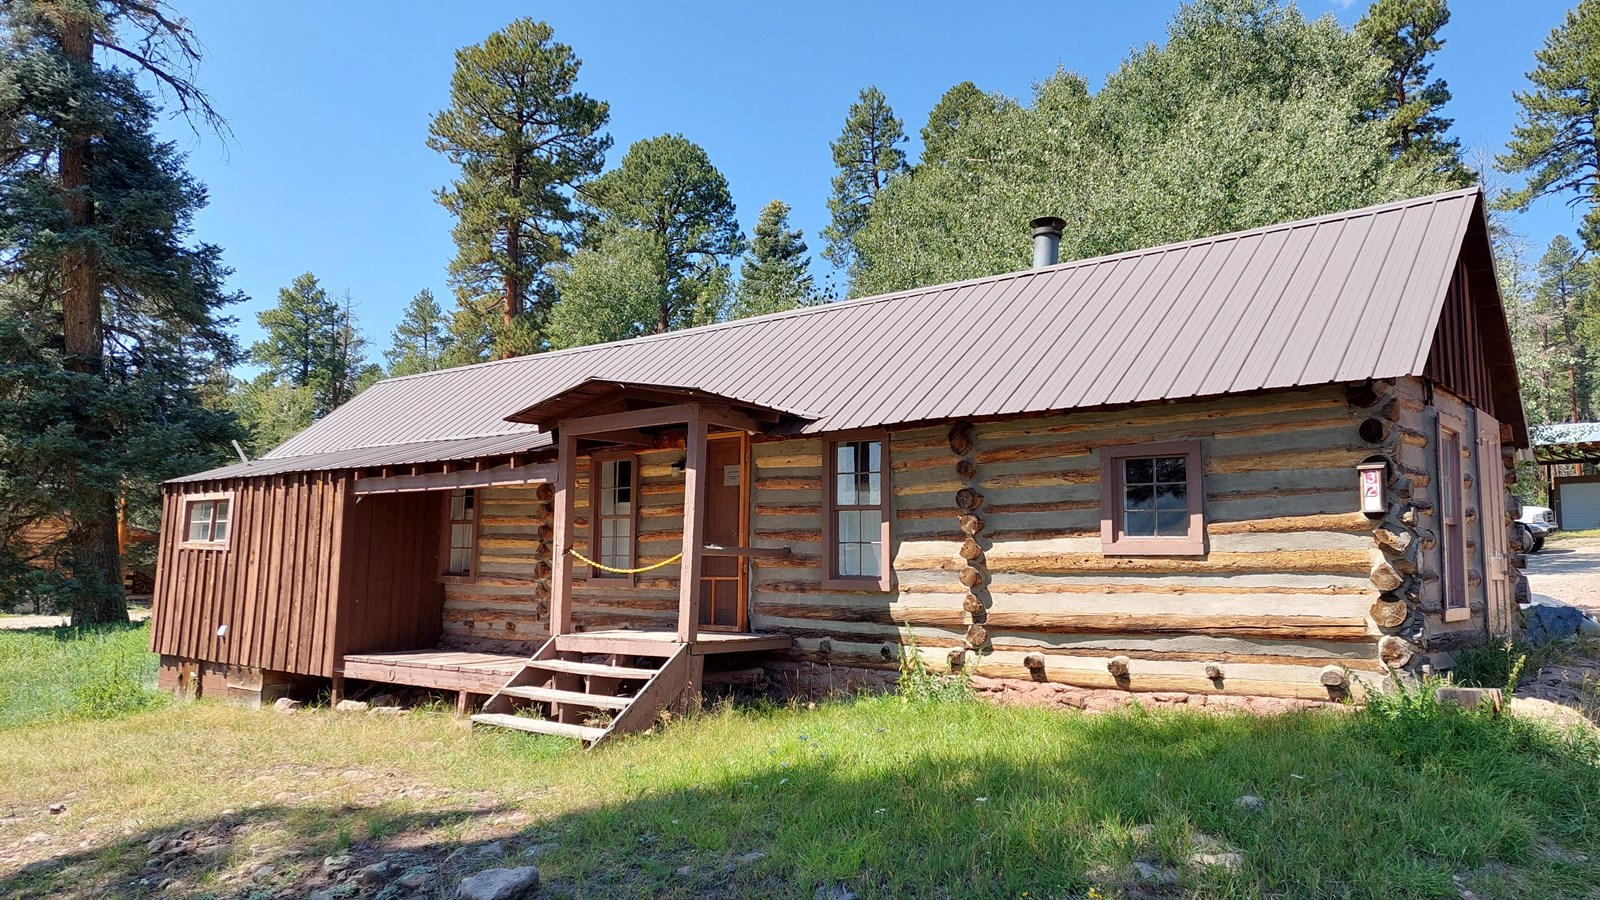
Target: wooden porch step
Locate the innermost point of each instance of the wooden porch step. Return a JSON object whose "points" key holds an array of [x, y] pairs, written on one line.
{"points": [[574, 698], [599, 669], [541, 726], [622, 646]]}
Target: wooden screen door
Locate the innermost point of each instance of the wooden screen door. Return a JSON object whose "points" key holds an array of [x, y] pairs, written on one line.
{"points": [[722, 578], [1492, 513]]}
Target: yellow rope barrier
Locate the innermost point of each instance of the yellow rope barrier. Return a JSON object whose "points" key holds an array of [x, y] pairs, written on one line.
{"points": [[665, 562]]}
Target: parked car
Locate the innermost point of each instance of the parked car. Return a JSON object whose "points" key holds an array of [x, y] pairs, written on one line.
{"points": [[1535, 524]]}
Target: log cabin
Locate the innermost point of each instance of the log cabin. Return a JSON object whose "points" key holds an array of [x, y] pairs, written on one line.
{"points": [[1263, 464]]}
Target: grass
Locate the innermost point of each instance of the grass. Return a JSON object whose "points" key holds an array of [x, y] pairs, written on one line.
{"points": [[890, 796], [1589, 534], [52, 674]]}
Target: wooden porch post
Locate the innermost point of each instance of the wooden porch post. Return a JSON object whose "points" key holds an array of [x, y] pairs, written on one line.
{"points": [[560, 562], [694, 521]]}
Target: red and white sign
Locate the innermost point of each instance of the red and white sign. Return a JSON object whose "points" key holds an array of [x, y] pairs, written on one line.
{"points": [[1372, 488]]}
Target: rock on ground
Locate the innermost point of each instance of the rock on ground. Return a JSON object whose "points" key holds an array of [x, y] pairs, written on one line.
{"points": [[499, 884]]}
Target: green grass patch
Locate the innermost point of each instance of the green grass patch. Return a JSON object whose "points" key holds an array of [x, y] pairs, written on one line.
{"points": [[52, 674]]}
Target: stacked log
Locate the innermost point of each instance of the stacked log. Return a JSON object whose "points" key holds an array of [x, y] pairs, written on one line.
{"points": [[973, 574], [1397, 542]]}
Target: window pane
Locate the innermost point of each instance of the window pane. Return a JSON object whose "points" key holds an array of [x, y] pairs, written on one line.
{"points": [[849, 559], [220, 511], [468, 498], [460, 537], [1172, 523], [622, 501], [198, 530], [1139, 496], [1139, 524], [624, 473], [845, 489], [1172, 496], [869, 559], [847, 457], [1172, 468], [219, 531], [625, 529], [460, 561], [608, 473], [1138, 471], [874, 495], [848, 530], [874, 453]]}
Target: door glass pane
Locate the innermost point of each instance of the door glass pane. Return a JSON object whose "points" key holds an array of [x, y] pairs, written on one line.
{"points": [[458, 505], [460, 560]]}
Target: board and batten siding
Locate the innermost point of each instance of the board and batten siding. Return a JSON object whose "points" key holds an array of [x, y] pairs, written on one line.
{"points": [[1282, 593], [272, 587]]}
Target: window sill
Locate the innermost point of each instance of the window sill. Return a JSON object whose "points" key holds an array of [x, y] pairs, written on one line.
{"points": [[457, 579], [203, 545], [875, 585], [1457, 614]]}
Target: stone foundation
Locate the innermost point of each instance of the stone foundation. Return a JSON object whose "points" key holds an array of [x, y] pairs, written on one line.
{"points": [[815, 681], [191, 678]]}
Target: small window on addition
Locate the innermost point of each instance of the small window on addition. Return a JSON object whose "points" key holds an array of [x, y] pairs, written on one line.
{"points": [[463, 532], [1151, 501], [206, 519], [614, 514], [857, 523]]}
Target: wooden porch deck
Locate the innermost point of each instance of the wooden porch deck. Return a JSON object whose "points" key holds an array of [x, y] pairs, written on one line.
{"points": [[485, 673]]}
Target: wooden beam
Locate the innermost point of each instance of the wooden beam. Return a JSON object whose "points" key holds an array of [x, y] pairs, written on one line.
{"points": [[467, 478], [634, 418], [694, 526], [623, 436], [719, 414], [561, 563]]}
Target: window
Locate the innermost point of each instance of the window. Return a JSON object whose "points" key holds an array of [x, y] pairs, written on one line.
{"points": [[205, 520], [463, 533], [614, 490], [1454, 546], [857, 528], [1151, 502]]}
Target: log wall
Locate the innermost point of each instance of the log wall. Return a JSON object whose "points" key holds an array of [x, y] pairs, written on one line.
{"points": [[998, 561], [509, 600]]}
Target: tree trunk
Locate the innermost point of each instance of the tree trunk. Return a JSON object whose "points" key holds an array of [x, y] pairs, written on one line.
{"points": [[511, 306], [97, 595]]}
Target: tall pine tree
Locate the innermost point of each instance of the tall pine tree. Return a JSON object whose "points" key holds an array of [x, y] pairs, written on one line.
{"points": [[422, 338], [774, 276], [1405, 35], [110, 312], [525, 140], [1564, 366], [1554, 143], [312, 343], [867, 155]]}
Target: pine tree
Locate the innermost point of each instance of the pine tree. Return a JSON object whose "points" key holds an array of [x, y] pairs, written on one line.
{"points": [[313, 343], [110, 312], [775, 275], [525, 141], [667, 190], [422, 338], [1564, 366], [1554, 143], [867, 156], [1405, 35]]}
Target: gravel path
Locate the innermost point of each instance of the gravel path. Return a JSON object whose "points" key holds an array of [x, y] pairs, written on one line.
{"points": [[1568, 569], [23, 623]]}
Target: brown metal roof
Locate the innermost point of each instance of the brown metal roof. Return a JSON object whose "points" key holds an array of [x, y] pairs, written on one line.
{"points": [[372, 457], [1338, 298]]}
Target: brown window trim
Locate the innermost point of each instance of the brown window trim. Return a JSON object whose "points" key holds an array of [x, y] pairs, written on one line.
{"points": [[1112, 541], [188, 504], [445, 576], [1453, 583], [595, 459], [831, 580]]}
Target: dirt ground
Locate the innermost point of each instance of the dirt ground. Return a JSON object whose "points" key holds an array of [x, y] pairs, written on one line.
{"points": [[20, 623], [1567, 569]]}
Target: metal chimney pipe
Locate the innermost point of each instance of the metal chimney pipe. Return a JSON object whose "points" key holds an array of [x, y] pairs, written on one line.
{"points": [[1047, 240]]}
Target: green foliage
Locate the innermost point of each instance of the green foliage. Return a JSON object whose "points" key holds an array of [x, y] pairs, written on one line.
{"points": [[920, 684], [1249, 115], [666, 226], [1405, 35], [868, 158], [525, 140], [1499, 664], [74, 438], [422, 339], [1554, 142], [775, 275], [961, 105], [55, 674]]}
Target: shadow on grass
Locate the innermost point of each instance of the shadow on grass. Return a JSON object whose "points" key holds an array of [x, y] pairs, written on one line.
{"points": [[959, 800]]}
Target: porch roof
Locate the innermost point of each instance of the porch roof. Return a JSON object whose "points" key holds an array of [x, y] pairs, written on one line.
{"points": [[600, 394], [373, 457]]}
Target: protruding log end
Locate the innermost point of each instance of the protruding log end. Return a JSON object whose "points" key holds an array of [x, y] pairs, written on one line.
{"points": [[1118, 666], [961, 438], [1334, 677], [1373, 431], [1385, 577], [1214, 671], [970, 550], [966, 468], [545, 492], [1393, 541], [968, 499], [958, 659], [1034, 662], [1389, 613], [970, 524], [1395, 652], [977, 636], [971, 577], [973, 605]]}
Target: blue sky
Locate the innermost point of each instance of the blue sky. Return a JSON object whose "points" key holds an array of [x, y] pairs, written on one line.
{"points": [[327, 169]]}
